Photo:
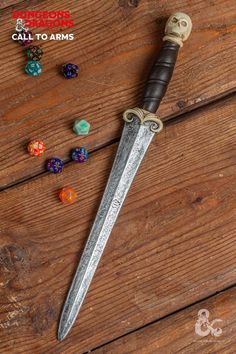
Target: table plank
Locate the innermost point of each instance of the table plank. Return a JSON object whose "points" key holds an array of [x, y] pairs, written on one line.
{"points": [[173, 244], [6, 3], [176, 333], [114, 46]]}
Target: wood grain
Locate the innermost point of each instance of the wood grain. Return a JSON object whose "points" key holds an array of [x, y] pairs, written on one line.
{"points": [[6, 3], [115, 44], [173, 244], [176, 334]]}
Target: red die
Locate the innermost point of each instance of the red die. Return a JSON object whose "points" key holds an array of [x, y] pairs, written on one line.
{"points": [[36, 148]]}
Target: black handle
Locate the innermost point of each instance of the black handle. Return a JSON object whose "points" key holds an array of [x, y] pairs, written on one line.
{"points": [[160, 76]]}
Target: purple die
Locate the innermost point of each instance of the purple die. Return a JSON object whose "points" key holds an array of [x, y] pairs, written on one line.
{"points": [[79, 154], [26, 37], [55, 165], [70, 70]]}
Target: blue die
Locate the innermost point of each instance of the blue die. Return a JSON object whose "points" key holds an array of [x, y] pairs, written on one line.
{"points": [[79, 154], [55, 165], [70, 70]]}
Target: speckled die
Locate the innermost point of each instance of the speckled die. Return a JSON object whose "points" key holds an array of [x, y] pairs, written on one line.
{"points": [[55, 165], [25, 37], [34, 53], [36, 147], [33, 68], [79, 155]]}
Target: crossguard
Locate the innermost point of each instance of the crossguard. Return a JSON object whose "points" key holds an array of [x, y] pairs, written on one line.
{"points": [[177, 30], [153, 121]]}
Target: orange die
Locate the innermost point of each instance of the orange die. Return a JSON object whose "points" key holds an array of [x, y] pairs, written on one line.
{"points": [[36, 148], [67, 195]]}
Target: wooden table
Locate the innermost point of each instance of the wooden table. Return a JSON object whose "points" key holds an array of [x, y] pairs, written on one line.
{"points": [[173, 249]]}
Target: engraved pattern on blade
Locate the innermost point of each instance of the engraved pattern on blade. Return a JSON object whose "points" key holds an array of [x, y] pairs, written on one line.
{"points": [[134, 142]]}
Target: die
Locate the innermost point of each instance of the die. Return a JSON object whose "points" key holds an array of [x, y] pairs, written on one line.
{"points": [[36, 147], [25, 37], [34, 52], [79, 154], [55, 165], [33, 68], [67, 195], [70, 70], [81, 127]]}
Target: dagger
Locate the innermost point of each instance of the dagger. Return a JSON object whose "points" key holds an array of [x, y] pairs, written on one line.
{"points": [[141, 125]]}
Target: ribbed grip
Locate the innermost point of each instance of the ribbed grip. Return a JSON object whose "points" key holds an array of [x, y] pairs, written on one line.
{"points": [[160, 76]]}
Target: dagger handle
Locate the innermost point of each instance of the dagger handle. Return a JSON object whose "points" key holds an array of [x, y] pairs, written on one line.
{"points": [[160, 76], [177, 30]]}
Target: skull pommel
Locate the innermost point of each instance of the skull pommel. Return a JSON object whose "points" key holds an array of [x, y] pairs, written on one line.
{"points": [[178, 28]]}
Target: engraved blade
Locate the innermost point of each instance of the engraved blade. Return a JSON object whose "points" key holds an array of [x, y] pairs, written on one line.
{"points": [[134, 142]]}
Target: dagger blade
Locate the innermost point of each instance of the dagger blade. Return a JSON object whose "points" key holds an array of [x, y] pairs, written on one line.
{"points": [[134, 142]]}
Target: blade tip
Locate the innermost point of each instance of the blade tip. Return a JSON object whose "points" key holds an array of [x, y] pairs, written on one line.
{"points": [[63, 330], [61, 335]]}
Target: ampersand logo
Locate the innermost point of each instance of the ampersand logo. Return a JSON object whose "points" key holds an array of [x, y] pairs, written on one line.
{"points": [[203, 327], [20, 25]]}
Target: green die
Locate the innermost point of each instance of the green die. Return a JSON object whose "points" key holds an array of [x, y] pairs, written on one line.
{"points": [[81, 127], [33, 68]]}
